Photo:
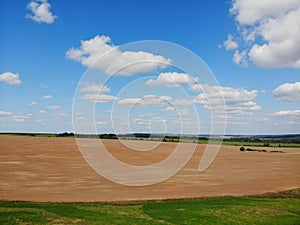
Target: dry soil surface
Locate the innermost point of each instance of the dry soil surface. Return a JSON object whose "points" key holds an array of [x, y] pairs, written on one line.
{"points": [[53, 170]]}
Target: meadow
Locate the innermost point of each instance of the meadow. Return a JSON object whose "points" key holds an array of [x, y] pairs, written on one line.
{"points": [[239, 210]]}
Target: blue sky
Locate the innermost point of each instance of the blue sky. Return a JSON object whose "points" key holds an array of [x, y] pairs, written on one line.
{"points": [[252, 48]]}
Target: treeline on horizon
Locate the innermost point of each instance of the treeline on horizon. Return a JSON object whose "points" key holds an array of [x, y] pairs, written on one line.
{"points": [[287, 138]]}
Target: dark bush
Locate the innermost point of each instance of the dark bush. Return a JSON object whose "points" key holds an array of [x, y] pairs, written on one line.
{"points": [[266, 144]]}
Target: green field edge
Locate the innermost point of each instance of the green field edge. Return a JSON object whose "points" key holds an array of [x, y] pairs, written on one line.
{"points": [[290, 194], [176, 140]]}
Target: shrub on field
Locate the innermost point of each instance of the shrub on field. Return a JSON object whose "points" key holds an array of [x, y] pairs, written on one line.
{"points": [[266, 144]]}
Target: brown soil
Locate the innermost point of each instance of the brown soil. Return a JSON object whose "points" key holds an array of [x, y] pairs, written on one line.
{"points": [[53, 170]]}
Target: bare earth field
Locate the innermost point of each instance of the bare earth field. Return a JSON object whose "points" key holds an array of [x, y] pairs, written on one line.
{"points": [[53, 170]]}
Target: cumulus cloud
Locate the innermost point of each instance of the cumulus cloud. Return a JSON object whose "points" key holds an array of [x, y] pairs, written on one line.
{"points": [[148, 100], [92, 87], [146, 115], [169, 109], [172, 79], [61, 115], [4, 114], [94, 97], [80, 118], [182, 102], [289, 92], [249, 12], [10, 78], [184, 112], [40, 12], [271, 29], [47, 97], [239, 58], [53, 107], [230, 44], [101, 123], [287, 113], [235, 101], [118, 62], [11, 117], [140, 121], [21, 117], [42, 111], [32, 103], [181, 112], [91, 91], [153, 121], [42, 121]]}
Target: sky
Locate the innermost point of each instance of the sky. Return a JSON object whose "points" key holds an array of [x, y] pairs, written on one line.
{"points": [[86, 66]]}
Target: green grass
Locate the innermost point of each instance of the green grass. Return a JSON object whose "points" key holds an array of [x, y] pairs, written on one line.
{"points": [[31, 134], [227, 211], [260, 144], [185, 140], [241, 210], [40, 213], [231, 143], [237, 143]]}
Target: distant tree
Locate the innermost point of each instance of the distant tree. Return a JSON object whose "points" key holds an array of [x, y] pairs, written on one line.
{"points": [[65, 134], [266, 144]]}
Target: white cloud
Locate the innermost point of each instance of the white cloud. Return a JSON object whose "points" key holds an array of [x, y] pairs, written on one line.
{"points": [[181, 112], [80, 118], [4, 113], [169, 109], [261, 119], [123, 63], [184, 112], [182, 102], [95, 88], [10, 78], [240, 58], [53, 107], [129, 101], [140, 121], [146, 115], [293, 122], [41, 121], [60, 115], [153, 121], [40, 12], [148, 100], [9, 116], [47, 97], [234, 101], [287, 113], [250, 12], [172, 79], [101, 123], [20, 118], [271, 30], [98, 98], [230, 44], [32, 103], [289, 92], [42, 111]]}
